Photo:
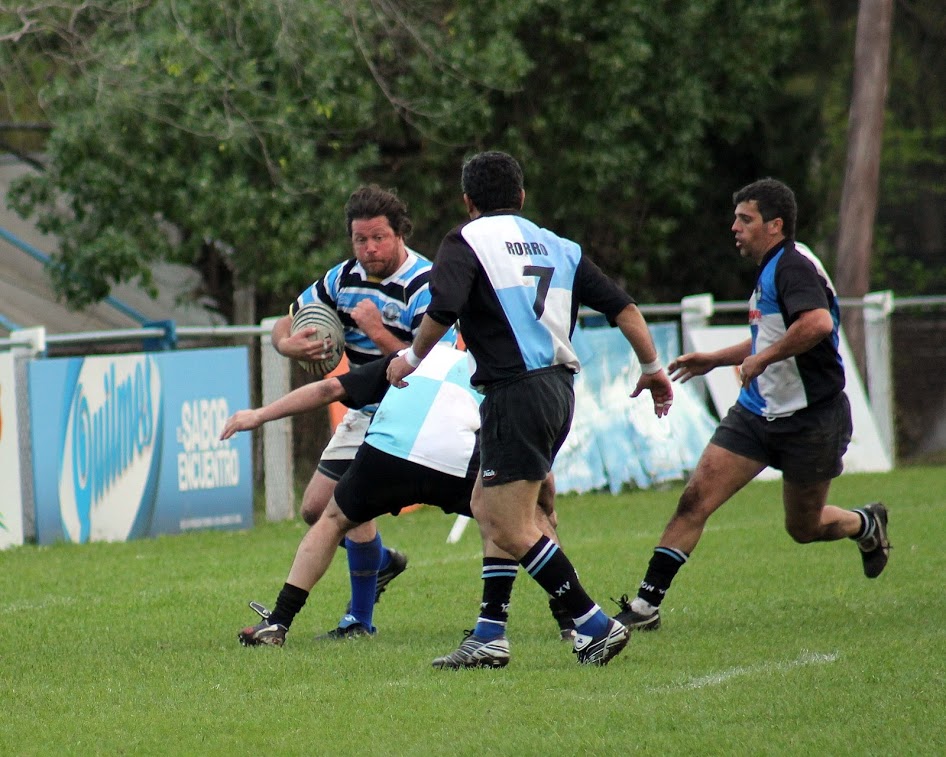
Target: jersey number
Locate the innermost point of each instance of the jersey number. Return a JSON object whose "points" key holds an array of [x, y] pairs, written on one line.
{"points": [[544, 274]]}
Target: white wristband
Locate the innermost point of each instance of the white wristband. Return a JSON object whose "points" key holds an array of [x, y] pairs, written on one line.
{"points": [[652, 367], [411, 357]]}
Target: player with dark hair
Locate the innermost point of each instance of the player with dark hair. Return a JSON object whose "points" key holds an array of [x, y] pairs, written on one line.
{"points": [[380, 295], [420, 447], [791, 413], [516, 289]]}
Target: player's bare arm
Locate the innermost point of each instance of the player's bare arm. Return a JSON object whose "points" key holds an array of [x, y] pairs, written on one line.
{"points": [[634, 328], [692, 364], [305, 398]]}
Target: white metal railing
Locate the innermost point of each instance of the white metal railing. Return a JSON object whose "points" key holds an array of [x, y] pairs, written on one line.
{"points": [[694, 311]]}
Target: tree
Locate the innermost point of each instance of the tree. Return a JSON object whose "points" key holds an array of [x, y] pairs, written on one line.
{"points": [[861, 177], [622, 119], [910, 241], [227, 135]]}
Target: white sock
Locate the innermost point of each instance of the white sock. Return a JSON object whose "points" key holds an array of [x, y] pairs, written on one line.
{"points": [[643, 607]]}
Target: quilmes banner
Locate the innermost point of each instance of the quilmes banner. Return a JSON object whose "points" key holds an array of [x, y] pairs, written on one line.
{"points": [[11, 505], [127, 446]]}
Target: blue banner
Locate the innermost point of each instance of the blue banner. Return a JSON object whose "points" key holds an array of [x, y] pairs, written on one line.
{"points": [[127, 446], [617, 441]]}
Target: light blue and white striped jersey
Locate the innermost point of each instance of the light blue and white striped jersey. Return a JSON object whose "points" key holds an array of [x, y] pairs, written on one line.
{"points": [[402, 298]]}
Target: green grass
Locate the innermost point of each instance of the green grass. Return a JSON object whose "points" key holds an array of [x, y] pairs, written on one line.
{"points": [[768, 647]]}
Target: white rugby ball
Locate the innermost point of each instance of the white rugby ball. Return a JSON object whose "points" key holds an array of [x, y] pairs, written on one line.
{"points": [[328, 325]]}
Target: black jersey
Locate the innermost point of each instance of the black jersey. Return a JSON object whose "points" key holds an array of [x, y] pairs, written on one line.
{"points": [[516, 289]]}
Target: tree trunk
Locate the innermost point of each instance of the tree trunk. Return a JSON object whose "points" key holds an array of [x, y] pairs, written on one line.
{"points": [[862, 171]]}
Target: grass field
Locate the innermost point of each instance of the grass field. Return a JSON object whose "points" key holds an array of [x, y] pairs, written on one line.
{"points": [[767, 647]]}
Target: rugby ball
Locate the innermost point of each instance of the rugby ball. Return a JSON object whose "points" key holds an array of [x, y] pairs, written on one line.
{"points": [[328, 325]]}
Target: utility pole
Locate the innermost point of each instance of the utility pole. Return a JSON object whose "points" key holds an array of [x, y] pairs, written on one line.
{"points": [[862, 170]]}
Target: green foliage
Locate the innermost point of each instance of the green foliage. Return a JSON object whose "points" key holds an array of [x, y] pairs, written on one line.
{"points": [[909, 235], [620, 123], [227, 135], [239, 127], [767, 646], [911, 238]]}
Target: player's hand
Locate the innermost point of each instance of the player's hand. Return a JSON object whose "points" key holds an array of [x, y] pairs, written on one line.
{"points": [[397, 370], [300, 346], [687, 366], [751, 368], [661, 391], [242, 420], [368, 318]]}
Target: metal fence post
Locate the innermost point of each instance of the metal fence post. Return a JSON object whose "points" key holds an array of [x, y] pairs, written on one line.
{"points": [[878, 307], [695, 312], [33, 345], [278, 471]]}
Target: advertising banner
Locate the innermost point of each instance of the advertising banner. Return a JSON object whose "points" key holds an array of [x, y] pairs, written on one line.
{"points": [[616, 440], [127, 446], [11, 505], [866, 452]]}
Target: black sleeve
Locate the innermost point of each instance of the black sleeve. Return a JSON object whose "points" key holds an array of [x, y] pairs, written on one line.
{"points": [[366, 384], [799, 286], [599, 292], [451, 279]]}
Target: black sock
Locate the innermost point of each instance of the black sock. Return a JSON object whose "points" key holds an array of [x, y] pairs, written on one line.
{"points": [[553, 571], [290, 600], [660, 572], [867, 525], [499, 574], [564, 620]]}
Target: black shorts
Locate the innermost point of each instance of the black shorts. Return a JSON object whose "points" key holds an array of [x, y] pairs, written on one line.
{"points": [[524, 423], [334, 469], [377, 483], [807, 446]]}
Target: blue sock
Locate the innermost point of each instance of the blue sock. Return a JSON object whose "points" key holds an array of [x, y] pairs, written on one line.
{"points": [[592, 625], [363, 561], [385, 556], [489, 629]]}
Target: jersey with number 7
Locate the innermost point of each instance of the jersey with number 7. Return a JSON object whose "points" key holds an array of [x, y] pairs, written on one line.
{"points": [[516, 289]]}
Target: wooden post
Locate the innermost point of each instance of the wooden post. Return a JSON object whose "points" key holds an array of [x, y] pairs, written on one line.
{"points": [[862, 171]]}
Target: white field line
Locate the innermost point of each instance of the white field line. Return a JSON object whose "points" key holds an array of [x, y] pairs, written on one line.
{"points": [[715, 679]]}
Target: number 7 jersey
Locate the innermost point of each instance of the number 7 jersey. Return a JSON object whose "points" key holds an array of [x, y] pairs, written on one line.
{"points": [[516, 289]]}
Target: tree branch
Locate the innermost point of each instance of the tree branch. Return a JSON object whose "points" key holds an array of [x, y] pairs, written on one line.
{"points": [[20, 155]]}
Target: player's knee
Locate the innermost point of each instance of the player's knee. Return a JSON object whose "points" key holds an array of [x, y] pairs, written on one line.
{"points": [[803, 533], [691, 504], [339, 521], [311, 509]]}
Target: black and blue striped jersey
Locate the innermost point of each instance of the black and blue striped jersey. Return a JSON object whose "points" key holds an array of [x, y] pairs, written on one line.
{"points": [[790, 281], [402, 298]]}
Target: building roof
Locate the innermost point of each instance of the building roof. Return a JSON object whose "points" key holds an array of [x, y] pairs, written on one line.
{"points": [[27, 298]]}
